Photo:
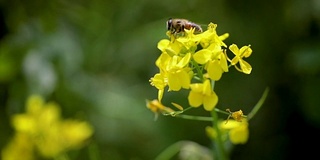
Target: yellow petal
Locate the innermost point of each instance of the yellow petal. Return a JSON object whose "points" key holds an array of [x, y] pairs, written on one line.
{"points": [[24, 123], [163, 44], [158, 81], [211, 132], [245, 67], [209, 102], [224, 63], [184, 61], [235, 60], [196, 87], [163, 60], [202, 56], [195, 99], [224, 36], [160, 94], [231, 124], [184, 79], [245, 51], [177, 106], [239, 135], [34, 104], [207, 90], [76, 132], [173, 48], [214, 70], [174, 82], [50, 114], [20, 146], [234, 48]]}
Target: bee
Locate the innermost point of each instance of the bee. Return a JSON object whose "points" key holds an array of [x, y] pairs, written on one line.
{"points": [[178, 25]]}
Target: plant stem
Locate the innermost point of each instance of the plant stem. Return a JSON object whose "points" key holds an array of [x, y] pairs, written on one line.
{"points": [[219, 147], [199, 72], [169, 152], [191, 117], [259, 104], [220, 151]]}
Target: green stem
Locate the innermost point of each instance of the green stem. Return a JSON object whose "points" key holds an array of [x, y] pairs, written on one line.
{"points": [[200, 75], [93, 152], [197, 118], [221, 111], [220, 151], [200, 118], [169, 152], [259, 104], [62, 156]]}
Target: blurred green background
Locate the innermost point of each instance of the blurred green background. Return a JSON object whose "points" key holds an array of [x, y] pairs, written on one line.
{"points": [[94, 58]]}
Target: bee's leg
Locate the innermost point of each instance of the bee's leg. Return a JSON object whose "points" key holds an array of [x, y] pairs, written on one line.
{"points": [[182, 30]]}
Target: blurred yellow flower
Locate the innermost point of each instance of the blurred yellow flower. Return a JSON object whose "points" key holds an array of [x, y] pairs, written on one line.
{"points": [[42, 128], [20, 145], [238, 131], [157, 107]]}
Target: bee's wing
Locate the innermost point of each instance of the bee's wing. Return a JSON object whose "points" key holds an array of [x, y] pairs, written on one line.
{"points": [[202, 25]]}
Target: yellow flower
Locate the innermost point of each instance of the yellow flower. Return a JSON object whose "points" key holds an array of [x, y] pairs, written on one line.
{"points": [[215, 60], [238, 131], [170, 48], [210, 36], [159, 81], [244, 51], [157, 107], [20, 145], [190, 41], [202, 94], [45, 132], [174, 72], [178, 72], [75, 132]]}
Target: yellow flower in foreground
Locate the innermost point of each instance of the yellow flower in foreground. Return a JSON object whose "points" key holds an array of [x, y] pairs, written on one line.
{"points": [[20, 145], [202, 93], [244, 51], [42, 128], [238, 131]]}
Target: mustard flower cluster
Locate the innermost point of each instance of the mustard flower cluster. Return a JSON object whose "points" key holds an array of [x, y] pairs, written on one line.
{"points": [[41, 132], [194, 61]]}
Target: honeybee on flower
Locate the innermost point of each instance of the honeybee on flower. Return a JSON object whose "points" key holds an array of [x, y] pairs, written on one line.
{"points": [[176, 26]]}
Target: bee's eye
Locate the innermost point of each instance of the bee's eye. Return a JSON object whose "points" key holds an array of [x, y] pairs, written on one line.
{"points": [[169, 24]]}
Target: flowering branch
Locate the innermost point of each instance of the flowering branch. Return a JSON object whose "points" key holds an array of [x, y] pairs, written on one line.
{"points": [[195, 61]]}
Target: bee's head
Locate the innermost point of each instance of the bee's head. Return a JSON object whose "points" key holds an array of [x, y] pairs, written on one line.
{"points": [[169, 24]]}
